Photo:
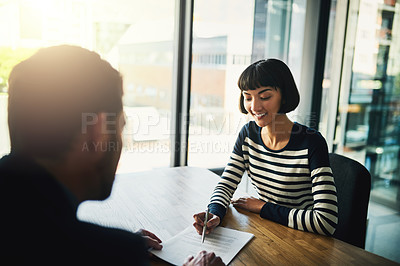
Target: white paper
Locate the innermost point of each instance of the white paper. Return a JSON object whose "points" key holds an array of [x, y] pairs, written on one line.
{"points": [[224, 242]]}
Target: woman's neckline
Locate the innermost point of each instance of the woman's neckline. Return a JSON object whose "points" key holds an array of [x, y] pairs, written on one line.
{"points": [[276, 150]]}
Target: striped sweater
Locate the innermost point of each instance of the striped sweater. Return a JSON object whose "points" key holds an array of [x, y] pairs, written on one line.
{"points": [[296, 182]]}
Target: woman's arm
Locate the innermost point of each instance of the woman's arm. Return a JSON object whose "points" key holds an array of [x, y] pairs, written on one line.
{"points": [[225, 188], [321, 217], [231, 177]]}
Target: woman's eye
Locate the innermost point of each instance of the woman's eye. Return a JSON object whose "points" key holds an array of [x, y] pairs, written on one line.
{"points": [[265, 98], [247, 99]]}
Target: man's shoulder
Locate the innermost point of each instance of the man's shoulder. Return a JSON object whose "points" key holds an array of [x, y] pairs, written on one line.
{"points": [[38, 220], [44, 238]]}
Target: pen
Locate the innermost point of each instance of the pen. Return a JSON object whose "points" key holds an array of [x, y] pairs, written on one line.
{"points": [[205, 226]]}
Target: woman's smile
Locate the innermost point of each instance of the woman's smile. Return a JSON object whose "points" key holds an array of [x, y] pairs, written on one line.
{"points": [[259, 116]]}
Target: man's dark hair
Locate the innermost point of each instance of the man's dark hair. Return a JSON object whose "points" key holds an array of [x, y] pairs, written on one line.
{"points": [[273, 73], [51, 91]]}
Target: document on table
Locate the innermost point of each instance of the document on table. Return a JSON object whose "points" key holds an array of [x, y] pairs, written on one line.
{"points": [[224, 242]]}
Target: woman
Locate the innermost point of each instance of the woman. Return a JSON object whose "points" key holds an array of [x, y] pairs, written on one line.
{"points": [[287, 162]]}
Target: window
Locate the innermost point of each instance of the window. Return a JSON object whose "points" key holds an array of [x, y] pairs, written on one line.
{"points": [[136, 37], [224, 44], [368, 113]]}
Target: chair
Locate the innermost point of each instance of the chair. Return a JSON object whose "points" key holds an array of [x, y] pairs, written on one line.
{"points": [[353, 185], [218, 171]]}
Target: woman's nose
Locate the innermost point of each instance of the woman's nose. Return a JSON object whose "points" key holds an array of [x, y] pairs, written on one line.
{"points": [[255, 105]]}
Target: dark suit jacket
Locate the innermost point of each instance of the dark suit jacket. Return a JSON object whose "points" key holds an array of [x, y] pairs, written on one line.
{"points": [[38, 224]]}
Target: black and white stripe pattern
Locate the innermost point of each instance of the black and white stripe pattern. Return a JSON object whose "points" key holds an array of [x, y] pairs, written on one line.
{"points": [[284, 179]]}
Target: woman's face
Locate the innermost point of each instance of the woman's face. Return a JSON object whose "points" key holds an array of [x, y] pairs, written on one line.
{"points": [[263, 104]]}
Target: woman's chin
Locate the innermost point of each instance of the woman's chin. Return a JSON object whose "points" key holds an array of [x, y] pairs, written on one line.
{"points": [[260, 122]]}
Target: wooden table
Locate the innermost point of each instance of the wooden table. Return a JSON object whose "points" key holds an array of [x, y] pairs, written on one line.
{"points": [[164, 200]]}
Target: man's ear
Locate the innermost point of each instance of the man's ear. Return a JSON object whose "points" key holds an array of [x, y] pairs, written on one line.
{"points": [[95, 135]]}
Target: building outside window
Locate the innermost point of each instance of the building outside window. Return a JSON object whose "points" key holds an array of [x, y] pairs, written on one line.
{"points": [[368, 117], [224, 44], [137, 38]]}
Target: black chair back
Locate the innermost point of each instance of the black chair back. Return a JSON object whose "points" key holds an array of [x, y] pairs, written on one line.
{"points": [[353, 185]]}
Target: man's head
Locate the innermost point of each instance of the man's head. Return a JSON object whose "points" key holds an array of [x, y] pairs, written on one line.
{"points": [[62, 96]]}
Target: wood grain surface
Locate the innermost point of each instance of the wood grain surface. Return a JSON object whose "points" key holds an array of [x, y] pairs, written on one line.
{"points": [[164, 200]]}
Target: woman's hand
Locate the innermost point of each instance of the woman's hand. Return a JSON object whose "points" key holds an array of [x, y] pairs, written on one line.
{"points": [[213, 221], [248, 203], [152, 241]]}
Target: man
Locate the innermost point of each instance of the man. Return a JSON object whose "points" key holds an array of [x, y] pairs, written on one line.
{"points": [[58, 160]]}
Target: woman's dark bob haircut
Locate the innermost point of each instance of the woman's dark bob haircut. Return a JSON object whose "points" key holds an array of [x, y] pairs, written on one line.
{"points": [[270, 73]]}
